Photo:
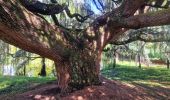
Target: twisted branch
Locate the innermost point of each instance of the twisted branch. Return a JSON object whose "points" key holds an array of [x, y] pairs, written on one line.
{"points": [[51, 9]]}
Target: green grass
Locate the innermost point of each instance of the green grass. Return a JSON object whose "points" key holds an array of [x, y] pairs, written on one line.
{"points": [[16, 84], [149, 76], [158, 76]]}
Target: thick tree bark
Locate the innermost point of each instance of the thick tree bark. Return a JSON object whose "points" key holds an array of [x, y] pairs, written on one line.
{"points": [[80, 70]]}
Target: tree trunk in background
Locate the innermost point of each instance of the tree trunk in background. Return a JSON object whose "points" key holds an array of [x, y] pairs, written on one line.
{"points": [[1, 70], [43, 68], [24, 70], [114, 59], [80, 70], [114, 63], [167, 63], [139, 61]]}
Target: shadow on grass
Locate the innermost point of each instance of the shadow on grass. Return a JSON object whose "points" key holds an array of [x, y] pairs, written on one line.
{"points": [[132, 73], [155, 81], [161, 93]]}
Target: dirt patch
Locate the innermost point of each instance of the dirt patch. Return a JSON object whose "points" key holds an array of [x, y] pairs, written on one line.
{"points": [[109, 90]]}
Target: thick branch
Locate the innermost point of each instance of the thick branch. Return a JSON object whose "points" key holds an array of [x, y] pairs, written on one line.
{"points": [[149, 19], [144, 35], [110, 20], [29, 32], [42, 8], [51, 9], [127, 8]]}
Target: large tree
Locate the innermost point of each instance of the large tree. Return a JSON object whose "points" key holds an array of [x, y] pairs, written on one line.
{"points": [[76, 52]]}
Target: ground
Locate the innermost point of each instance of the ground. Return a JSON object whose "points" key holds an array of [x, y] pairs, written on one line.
{"points": [[121, 83], [109, 90]]}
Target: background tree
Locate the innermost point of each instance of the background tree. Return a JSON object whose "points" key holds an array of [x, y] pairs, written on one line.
{"points": [[43, 68]]}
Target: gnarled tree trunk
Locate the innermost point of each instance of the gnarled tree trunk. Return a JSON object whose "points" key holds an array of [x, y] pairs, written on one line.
{"points": [[79, 70]]}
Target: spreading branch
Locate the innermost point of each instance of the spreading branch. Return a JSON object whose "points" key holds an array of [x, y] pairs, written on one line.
{"points": [[51, 9], [30, 32], [145, 20], [145, 35]]}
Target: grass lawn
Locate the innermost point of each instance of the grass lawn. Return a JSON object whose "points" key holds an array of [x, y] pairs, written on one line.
{"points": [[153, 79], [16, 84], [149, 76]]}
